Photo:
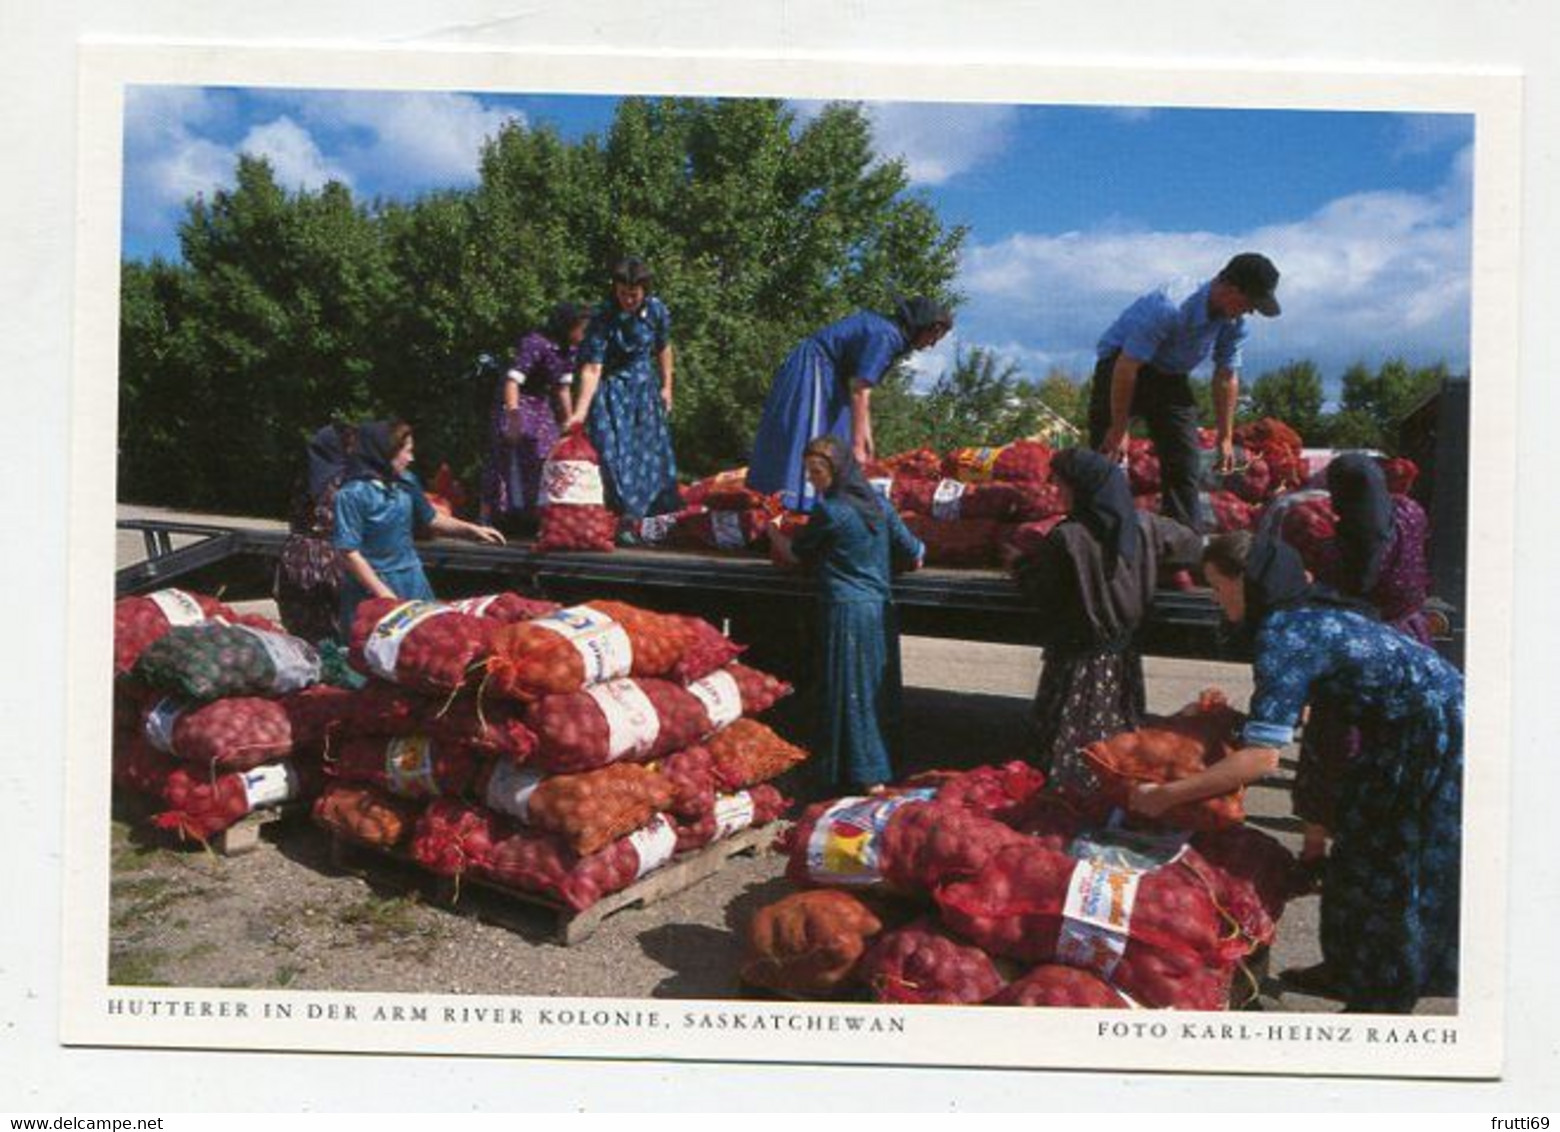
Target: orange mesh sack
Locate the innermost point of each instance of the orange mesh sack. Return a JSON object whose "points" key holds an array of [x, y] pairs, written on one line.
{"points": [[808, 943], [588, 811], [747, 752], [588, 644], [1167, 750], [365, 814]]}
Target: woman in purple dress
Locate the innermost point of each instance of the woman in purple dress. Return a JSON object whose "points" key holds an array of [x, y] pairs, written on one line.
{"points": [[531, 400]]}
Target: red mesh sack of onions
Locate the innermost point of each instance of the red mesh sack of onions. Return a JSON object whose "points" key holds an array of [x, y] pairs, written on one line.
{"points": [[746, 752], [758, 691], [691, 775], [1142, 467], [1229, 512], [200, 806], [408, 766], [1166, 945], [956, 542], [425, 645], [584, 645], [141, 767], [971, 465], [211, 660], [922, 963], [588, 811], [1254, 876], [1052, 821], [1024, 461], [728, 815], [949, 499], [1052, 984], [1017, 541], [1253, 482], [706, 651], [573, 500], [1279, 447], [920, 464], [365, 814], [533, 861], [230, 734], [315, 714], [1170, 748], [138, 621], [1003, 793], [726, 491], [1310, 525], [1401, 472], [720, 529], [496, 727], [808, 943], [505, 607], [622, 720], [452, 838], [1038, 502]]}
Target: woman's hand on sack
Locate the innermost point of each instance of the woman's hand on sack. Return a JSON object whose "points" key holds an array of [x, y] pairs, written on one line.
{"points": [[1150, 799]]}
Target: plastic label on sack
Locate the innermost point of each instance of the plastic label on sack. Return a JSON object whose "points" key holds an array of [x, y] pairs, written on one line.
{"points": [[1130, 849], [474, 606], [884, 486], [726, 526], [655, 844], [409, 767], [509, 789], [178, 607], [633, 725], [383, 646], [733, 813], [270, 785], [602, 643], [845, 844], [947, 499], [1097, 915], [575, 483], [721, 697], [296, 663], [160, 722], [655, 530]]}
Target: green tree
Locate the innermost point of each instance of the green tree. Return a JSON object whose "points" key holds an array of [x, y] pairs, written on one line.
{"points": [[1293, 394], [1385, 395]]}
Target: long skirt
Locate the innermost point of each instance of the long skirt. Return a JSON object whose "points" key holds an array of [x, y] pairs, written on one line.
{"points": [[1081, 700], [307, 586], [520, 442], [861, 697], [806, 400], [628, 426], [1390, 890]]}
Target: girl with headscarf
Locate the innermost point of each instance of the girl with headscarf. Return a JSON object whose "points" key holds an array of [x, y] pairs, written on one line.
{"points": [[307, 584], [625, 400], [378, 510], [853, 540], [825, 388], [1093, 580], [1390, 892], [532, 398], [1378, 556]]}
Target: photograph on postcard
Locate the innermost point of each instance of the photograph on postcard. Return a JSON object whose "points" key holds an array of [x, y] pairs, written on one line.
{"points": [[749, 568]]}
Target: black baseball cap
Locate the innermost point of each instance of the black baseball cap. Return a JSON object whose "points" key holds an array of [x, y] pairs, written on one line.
{"points": [[1254, 276]]}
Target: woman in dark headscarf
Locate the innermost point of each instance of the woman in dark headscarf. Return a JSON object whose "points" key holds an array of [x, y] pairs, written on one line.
{"points": [[853, 540], [307, 584], [1378, 558], [1093, 579], [824, 388], [379, 509], [1390, 891], [531, 400]]}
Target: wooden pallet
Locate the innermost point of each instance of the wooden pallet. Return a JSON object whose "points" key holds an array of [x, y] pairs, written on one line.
{"points": [[515, 908], [245, 836]]}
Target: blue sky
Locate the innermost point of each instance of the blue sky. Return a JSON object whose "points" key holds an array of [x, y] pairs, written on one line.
{"points": [[1072, 211]]}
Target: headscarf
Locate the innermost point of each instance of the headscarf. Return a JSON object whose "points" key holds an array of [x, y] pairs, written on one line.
{"points": [[561, 320], [1364, 508], [328, 458], [1275, 578], [1102, 502], [850, 485], [920, 313], [372, 459]]}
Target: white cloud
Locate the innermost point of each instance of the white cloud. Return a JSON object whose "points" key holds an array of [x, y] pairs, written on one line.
{"points": [[937, 140], [294, 155], [1368, 276]]}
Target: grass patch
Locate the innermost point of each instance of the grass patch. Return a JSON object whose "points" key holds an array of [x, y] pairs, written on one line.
{"points": [[144, 898], [138, 968], [287, 974], [397, 922]]}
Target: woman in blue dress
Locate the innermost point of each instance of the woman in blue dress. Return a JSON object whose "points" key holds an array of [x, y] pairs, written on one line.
{"points": [[625, 395], [379, 508], [1390, 891], [853, 541], [824, 388]]}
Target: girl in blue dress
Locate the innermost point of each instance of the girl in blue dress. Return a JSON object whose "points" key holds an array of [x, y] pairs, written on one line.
{"points": [[853, 540], [1390, 889], [825, 388], [378, 510], [625, 395]]}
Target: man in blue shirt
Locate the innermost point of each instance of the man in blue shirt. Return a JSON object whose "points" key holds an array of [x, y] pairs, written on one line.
{"points": [[1145, 360]]}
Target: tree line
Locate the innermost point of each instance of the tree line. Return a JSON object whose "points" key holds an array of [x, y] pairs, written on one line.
{"points": [[289, 309]]}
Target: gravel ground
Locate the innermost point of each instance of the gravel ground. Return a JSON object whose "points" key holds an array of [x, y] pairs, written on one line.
{"points": [[285, 916]]}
